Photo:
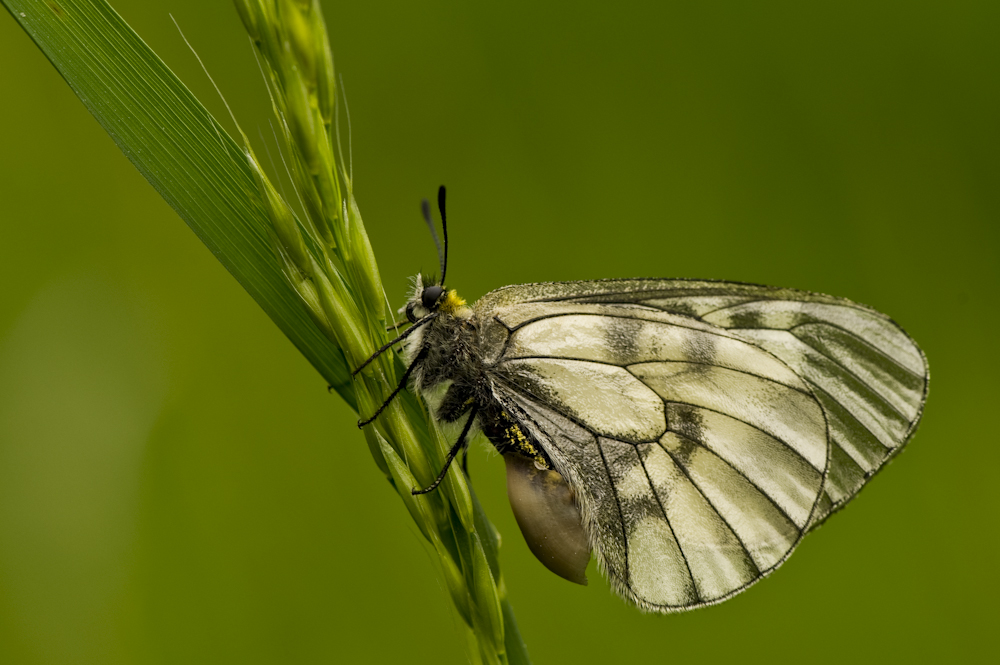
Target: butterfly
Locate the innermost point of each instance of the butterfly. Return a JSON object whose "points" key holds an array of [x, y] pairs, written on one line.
{"points": [[687, 433]]}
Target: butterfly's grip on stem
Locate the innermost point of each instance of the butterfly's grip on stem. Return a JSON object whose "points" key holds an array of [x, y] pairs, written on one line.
{"points": [[459, 445], [402, 384], [388, 345]]}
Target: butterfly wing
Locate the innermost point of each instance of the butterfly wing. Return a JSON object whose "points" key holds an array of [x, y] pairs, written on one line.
{"points": [[706, 426]]}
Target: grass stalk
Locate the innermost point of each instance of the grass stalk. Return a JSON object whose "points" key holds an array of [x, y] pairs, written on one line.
{"points": [[328, 260]]}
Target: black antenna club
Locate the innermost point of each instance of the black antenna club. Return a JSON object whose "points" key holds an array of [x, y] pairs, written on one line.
{"points": [[444, 229]]}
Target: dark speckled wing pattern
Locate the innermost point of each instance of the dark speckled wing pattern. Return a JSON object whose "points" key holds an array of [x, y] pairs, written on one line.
{"points": [[705, 426]]}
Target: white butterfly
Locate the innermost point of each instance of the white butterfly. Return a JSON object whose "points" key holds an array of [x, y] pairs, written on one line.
{"points": [[688, 433]]}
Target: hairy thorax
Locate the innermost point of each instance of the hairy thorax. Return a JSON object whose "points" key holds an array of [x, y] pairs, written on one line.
{"points": [[452, 371]]}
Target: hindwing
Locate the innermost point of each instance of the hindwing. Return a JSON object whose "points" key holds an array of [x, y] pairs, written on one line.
{"points": [[705, 426]]}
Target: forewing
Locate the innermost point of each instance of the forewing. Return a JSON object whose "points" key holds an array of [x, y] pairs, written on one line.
{"points": [[698, 458], [868, 375]]}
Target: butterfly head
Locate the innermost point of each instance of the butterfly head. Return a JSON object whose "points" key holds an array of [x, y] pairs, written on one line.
{"points": [[430, 299]]}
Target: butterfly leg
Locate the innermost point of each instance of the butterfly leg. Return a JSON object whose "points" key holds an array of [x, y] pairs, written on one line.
{"points": [[459, 445], [456, 403], [402, 384], [388, 345]]}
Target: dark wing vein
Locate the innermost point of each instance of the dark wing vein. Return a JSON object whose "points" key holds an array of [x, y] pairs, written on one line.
{"points": [[746, 302], [673, 534], [718, 330], [646, 362], [761, 430], [742, 475], [860, 424], [683, 469], [846, 370], [554, 407], [855, 336], [618, 506]]}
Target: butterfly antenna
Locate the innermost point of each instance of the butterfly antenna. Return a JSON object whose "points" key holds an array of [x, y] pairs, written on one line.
{"points": [[425, 209], [444, 229]]}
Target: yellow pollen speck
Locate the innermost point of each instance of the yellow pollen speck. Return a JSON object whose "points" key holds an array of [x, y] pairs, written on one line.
{"points": [[516, 436]]}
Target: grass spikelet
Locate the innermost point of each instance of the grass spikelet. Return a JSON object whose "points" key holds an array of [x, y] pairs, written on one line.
{"points": [[328, 259]]}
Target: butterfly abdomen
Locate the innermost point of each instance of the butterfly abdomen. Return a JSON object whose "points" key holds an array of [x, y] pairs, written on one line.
{"points": [[509, 437]]}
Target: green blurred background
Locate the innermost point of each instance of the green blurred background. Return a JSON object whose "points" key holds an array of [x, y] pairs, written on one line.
{"points": [[176, 485]]}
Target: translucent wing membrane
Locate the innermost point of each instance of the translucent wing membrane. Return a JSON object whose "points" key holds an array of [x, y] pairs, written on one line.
{"points": [[706, 426], [868, 375]]}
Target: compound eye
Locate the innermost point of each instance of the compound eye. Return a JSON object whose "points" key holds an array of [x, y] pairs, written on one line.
{"points": [[430, 297]]}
